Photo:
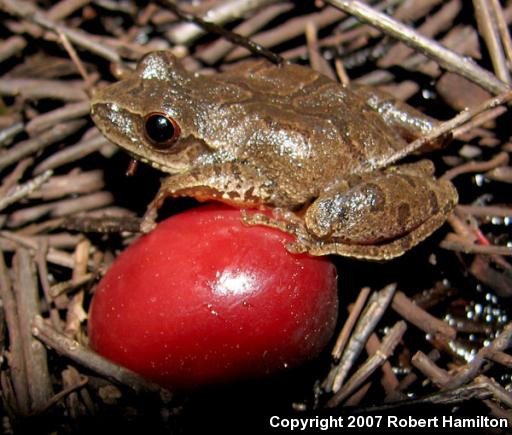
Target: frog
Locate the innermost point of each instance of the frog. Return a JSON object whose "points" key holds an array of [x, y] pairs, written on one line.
{"points": [[284, 138]]}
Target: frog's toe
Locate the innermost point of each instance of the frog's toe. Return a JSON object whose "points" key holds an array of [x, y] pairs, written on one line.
{"points": [[147, 225], [251, 219], [296, 247], [282, 214]]}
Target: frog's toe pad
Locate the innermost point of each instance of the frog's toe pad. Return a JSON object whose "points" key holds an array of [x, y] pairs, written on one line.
{"points": [[147, 225], [251, 219]]}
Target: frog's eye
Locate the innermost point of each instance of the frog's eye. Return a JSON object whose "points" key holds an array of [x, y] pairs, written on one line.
{"points": [[161, 130]]}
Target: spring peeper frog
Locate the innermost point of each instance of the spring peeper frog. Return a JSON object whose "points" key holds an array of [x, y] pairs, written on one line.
{"points": [[285, 137]]}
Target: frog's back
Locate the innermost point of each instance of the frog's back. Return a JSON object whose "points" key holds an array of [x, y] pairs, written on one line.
{"points": [[303, 99]]}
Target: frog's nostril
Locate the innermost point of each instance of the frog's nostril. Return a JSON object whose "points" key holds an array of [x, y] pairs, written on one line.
{"points": [[96, 93]]}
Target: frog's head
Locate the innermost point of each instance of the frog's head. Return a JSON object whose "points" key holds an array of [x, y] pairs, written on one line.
{"points": [[154, 113]]}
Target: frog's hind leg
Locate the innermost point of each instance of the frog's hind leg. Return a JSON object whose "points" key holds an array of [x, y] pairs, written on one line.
{"points": [[378, 252], [381, 216], [304, 243], [406, 120], [377, 216], [283, 220]]}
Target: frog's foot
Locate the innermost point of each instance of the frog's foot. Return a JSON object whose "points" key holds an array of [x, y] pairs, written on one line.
{"points": [[148, 222], [289, 222], [283, 220], [374, 252], [280, 219]]}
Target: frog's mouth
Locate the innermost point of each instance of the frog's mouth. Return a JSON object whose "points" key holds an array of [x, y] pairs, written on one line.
{"points": [[174, 169]]}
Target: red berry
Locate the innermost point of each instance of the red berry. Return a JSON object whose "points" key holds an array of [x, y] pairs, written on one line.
{"points": [[204, 299]]}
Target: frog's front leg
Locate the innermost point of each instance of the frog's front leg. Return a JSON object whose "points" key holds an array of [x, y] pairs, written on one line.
{"points": [[377, 216], [149, 219], [231, 183]]}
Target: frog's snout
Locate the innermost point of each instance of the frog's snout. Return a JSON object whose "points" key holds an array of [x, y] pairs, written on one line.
{"points": [[116, 123], [94, 94], [98, 110]]}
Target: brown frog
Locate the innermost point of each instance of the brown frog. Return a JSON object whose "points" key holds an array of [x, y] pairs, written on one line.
{"points": [[285, 137]]}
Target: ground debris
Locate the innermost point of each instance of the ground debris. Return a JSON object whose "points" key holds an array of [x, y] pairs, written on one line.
{"points": [[438, 332]]}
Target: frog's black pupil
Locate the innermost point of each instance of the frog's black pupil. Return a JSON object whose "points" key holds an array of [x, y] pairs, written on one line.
{"points": [[159, 129]]}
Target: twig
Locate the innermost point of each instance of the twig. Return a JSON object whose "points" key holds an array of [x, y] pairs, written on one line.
{"points": [[436, 374], [30, 146], [37, 89], [70, 184], [500, 159], [389, 380], [441, 20], [477, 121], [15, 356], [503, 174], [317, 61], [472, 248], [75, 58], [72, 153], [500, 282], [350, 322], [289, 30], [343, 337], [42, 269], [64, 8], [72, 284], [30, 12], [60, 208], [374, 310], [442, 129], [419, 317], [214, 52], [105, 224], [27, 298], [11, 47], [412, 376], [498, 357], [389, 343], [87, 358], [499, 393], [55, 256], [22, 190], [488, 29], [254, 47], [10, 132], [446, 58], [65, 113], [15, 175], [502, 28], [448, 397], [471, 370], [222, 13], [60, 395]]}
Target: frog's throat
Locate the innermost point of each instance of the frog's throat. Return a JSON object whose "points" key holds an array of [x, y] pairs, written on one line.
{"points": [[206, 194]]}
